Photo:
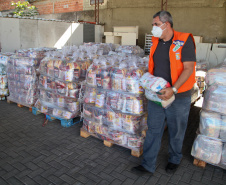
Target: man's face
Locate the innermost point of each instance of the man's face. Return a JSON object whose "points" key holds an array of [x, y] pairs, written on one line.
{"points": [[156, 22]]}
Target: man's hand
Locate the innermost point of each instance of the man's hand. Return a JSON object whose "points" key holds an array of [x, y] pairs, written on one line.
{"points": [[166, 93]]}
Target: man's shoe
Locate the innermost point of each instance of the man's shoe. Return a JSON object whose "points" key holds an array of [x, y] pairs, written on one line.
{"points": [[171, 168], [140, 170]]}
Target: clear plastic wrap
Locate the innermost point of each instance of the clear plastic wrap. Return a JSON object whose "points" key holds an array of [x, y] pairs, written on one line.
{"points": [[123, 129], [210, 146], [114, 106], [122, 77], [210, 124], [4, 58], [152, 86], [59, 87], [22, 80], [135, 50], [153, 83], [64, 69], [59, 84], [202, 65], [217, 75], [38, 53], [115, 101], [57, 111], [207, 149], [151, 95], [215, 99]]}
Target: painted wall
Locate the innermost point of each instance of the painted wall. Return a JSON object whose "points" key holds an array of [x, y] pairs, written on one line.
{"points": [[206, 18], [18, 33]]}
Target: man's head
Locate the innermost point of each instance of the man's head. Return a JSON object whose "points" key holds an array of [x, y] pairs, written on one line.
{"points": [[163, 20], [164, 17]]}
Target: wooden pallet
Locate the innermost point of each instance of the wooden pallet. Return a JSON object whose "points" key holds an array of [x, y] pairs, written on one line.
{"points": [[199, 163], [85, 134], [20, 105]]}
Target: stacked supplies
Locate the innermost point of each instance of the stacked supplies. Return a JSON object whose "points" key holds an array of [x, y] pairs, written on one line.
{"points": [[114, 106], [4, 58], [59, 85], [61, 75], [210, 144], [22, 75]]}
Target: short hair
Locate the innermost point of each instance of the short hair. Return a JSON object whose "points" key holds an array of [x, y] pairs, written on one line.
{"points": [[164, 16]]}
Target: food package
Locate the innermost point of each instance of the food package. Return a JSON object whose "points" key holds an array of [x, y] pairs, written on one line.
{"points": [[135, 50], [132, 81], [3, 85], [56, 111], [22, 80], [217, 75], [152, 86], [135, 141], [118, 79], [65, 69], [4, 58], [67, 89], [91, 76], [118, 137], [202, 65], [151, 95], [90, 95], [89, 125], [99, 115], [109, 74], [88, 111], [215, 99], [101, 130], [132, 104], [207, 149], [131, 124], [100, 99], [210, 124], [153, 83], [103, 77], [113, 100]]}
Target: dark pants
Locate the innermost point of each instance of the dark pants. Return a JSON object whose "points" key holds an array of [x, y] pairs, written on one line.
{"points": [[176, 117]]}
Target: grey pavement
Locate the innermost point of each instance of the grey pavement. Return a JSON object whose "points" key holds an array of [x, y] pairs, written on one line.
{"points": [[32, 154]]}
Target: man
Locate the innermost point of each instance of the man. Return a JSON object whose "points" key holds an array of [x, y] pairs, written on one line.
{"points": [[172, 57]]}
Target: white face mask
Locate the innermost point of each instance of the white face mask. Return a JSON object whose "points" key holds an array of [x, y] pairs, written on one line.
{"points": [[157, 31]]}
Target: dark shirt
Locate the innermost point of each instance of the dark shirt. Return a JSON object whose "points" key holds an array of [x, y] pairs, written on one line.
{"points": [[162, 62]]}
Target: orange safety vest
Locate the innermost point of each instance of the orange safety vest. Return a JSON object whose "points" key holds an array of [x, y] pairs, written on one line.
{"points": [[176, 66]]}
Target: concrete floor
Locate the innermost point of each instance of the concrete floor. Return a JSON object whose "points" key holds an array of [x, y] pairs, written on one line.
{"points": [[32, 154]]}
